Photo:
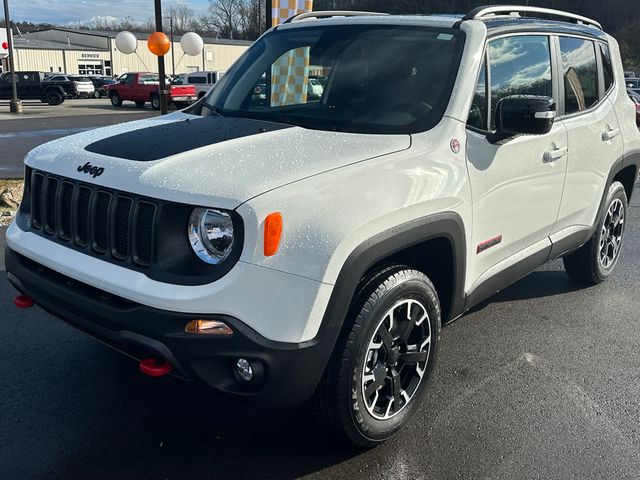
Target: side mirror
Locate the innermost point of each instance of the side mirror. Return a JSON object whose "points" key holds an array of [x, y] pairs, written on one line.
{"points": [[523, 115]]}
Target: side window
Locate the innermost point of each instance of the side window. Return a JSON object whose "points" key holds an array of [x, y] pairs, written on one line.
{"points": [[130, 79], [607, 67], [580, 74], [196, 79], [519, 65], [478, 112]]}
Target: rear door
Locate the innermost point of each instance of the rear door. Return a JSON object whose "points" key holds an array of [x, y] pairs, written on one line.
{"points": [[516, 185], [595, 140]]}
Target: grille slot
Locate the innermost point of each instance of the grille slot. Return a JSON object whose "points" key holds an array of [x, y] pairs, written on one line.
{"points": [[100, 221], [65, 199], [50, 205], [37, 184], [82, 215], [144, 220], [121, 227]]}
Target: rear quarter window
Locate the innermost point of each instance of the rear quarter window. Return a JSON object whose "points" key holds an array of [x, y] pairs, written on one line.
{"points": [[580, 74]]}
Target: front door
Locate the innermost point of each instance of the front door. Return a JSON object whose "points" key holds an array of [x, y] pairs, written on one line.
{"points": [[516, 185]]}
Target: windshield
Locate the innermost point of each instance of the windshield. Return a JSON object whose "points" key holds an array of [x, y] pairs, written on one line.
{"points": [[352, 78]]}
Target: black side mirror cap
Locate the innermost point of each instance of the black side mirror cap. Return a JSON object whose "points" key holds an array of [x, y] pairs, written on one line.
{"points": [[523, 115]]}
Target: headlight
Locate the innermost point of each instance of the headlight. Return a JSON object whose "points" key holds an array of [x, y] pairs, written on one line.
{"points": [[211, 235]]}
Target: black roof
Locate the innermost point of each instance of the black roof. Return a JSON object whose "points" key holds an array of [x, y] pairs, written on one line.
{"points": [[505, 24]]}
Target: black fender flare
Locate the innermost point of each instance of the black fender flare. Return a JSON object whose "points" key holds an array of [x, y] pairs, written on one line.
{"points": [[628, 160], [448, 225]]}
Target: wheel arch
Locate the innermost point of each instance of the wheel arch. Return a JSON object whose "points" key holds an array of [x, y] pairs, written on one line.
{"points": [[435, 245]]}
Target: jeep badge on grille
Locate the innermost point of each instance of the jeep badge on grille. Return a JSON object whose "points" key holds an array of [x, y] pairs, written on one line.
{"points": [[91, 169]]}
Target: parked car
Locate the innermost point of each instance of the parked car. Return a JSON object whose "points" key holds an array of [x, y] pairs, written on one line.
{"points": [[84, 86], [292, 250], [144, 87], [630, 74], [635, 97], [203, 80], [633, 84], [100, 85], [33, 86]]}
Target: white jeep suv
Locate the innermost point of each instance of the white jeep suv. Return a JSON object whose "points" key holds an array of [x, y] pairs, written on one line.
{"points": [[308, 247]]}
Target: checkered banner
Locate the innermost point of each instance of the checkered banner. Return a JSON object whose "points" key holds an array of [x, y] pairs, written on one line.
{"points": [[290, 73]]}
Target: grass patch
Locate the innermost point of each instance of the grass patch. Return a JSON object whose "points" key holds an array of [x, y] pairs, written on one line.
{"points": [[5, 183]]}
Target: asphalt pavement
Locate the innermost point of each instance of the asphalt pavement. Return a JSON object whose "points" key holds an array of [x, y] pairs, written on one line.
{"points": [[542, 381], [40, 123]]}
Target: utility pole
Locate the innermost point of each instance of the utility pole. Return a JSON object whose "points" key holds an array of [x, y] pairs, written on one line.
{"points": [[268, 9], [15, 106], [161, 73], [173, 58]]}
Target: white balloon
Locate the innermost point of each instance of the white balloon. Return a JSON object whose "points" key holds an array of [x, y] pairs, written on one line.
{"points": [[192, 44], [126, 42]]}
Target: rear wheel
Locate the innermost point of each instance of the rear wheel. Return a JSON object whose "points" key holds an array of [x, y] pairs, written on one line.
{"points": [[116, 101], [595, 260], [140, 103], [53, 97], [97, 94], [155, 102], [379, 371]]}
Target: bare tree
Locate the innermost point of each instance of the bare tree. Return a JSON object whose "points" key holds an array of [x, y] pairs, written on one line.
{"points": [[224, 17]]}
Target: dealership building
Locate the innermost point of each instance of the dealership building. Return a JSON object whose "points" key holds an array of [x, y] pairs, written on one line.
{"points": [[80, 52]]}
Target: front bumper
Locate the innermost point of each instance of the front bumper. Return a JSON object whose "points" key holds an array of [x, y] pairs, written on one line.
{"points": [[288, 373]]}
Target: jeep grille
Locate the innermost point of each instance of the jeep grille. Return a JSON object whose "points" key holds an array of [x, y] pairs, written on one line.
{"points": [[103, 220]]}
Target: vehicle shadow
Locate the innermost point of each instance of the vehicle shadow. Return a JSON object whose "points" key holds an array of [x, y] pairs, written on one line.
{"points": [[165, 428], [538, 284]]}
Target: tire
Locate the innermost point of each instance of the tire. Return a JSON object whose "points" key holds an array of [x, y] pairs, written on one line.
{"points": [[53, 97], [97, 94], [592, 263], [357, 394], [181, 105], [140, 103], [155, 102], [116, 101]]}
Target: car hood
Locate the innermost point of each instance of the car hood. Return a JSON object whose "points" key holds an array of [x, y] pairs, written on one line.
{"points": [[209, 161]]}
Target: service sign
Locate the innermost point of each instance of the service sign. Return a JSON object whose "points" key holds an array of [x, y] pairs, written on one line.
{"points": [[4, 43]]}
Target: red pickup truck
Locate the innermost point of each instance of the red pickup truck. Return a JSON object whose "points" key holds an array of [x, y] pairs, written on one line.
{"points": [[143, 87]]}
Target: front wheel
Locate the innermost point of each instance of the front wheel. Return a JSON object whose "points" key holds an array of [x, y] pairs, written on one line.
{"points": [[54, 98], [379, 371], [595, 260], [116, 101], [155, 102], [97, 94]]}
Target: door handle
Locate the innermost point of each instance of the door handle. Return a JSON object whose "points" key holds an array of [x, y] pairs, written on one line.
{"points": [[556, 154], [610, 134]]}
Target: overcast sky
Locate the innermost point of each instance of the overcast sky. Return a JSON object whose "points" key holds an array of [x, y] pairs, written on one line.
{"points": [[73, 11]]}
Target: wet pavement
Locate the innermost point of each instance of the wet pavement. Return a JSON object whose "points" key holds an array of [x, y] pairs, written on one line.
{"points": [[542, 381]]}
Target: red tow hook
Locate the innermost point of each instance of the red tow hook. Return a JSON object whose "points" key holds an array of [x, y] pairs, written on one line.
{"points": [[151, 367], [23, 301]]}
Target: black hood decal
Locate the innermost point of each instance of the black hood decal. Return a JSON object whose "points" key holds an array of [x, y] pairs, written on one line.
{"points": [[160, 141]]}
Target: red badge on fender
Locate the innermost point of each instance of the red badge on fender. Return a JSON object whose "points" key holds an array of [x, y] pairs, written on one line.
{"points": [[455, 145]]}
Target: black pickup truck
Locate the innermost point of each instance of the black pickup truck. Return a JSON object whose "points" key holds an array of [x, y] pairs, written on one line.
{"points": [[32, 86]]}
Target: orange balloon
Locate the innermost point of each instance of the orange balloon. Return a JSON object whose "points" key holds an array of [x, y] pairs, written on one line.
{"points": [[158, 43]]}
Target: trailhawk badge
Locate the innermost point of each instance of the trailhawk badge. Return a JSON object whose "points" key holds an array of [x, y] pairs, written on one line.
{"points": [[92, 170]]}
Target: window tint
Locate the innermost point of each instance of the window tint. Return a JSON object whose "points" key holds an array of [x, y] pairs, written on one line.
{"points": [[580, 74], [478, 112], [607, 67], [519, 66], [196, 80]]}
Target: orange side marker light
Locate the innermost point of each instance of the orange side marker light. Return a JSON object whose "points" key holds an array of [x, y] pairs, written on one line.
{"points": [[272, 233]]}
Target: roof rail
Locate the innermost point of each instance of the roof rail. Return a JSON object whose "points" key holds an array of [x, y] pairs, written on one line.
{"points": [[331, 13], [489, 12]]}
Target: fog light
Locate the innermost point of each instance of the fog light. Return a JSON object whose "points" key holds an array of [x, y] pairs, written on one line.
{"points": [[244, 369], [208, 327]]}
